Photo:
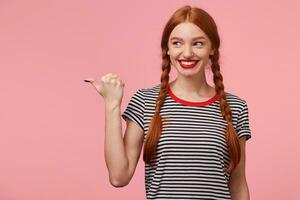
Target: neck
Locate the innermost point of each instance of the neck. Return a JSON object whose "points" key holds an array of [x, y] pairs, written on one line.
{"points": [[196, 85]]}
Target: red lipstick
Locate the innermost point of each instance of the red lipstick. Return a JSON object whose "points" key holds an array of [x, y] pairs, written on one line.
{"points": [[187, 63]]}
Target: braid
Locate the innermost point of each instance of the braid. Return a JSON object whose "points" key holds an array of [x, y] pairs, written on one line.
{"points": [[155, 126], [230, 134]]}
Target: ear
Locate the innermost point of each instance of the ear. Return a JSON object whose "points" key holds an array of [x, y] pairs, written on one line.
{"points": [[212, 52], [168, 53]]}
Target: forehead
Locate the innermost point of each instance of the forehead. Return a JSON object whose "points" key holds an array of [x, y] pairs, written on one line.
{"points": [[187, 30]]}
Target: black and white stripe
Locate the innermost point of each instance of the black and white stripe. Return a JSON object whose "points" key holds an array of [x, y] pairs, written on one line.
{"points": [[192, 150]]}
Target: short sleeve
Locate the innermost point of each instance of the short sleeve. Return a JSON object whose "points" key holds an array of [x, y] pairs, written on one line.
{"points": [[135, 109], [243, 128]]}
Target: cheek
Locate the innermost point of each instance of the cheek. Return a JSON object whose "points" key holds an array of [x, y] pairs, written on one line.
{"points": [[201, 52], [174, 55], [174, 52], [173, 61]]}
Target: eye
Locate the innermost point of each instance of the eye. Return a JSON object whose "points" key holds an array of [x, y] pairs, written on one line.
{"points": [[199, 42], [174, 43]]}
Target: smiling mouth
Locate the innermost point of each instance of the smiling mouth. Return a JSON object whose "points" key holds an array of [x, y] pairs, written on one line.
{"points": [[188, 64]]}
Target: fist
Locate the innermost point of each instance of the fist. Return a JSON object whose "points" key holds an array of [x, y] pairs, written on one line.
{"points": [[110, 87]]}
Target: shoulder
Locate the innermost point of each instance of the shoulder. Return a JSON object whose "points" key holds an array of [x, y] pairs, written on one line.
{"points": [[150, 92], [234, 98], [235, 101]]}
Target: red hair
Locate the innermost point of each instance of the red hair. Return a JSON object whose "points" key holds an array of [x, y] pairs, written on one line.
{"points": [[206, 23]]}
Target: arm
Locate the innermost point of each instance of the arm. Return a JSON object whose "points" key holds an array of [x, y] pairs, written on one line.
{"points": [[237, 183], [121, 155]]}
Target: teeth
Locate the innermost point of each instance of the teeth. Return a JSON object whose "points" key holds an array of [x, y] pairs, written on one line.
{"points": [[188, 63]]}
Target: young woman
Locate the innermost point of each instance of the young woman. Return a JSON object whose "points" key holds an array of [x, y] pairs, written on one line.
{"points": [[193, 134]]}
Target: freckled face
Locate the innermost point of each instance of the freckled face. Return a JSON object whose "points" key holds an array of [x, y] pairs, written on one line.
{"points": [[189, 49]]}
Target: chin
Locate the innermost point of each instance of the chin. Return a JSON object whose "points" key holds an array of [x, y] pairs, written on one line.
{"points": [[189, 74]]}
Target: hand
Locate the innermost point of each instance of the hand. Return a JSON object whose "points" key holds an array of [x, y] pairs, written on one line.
{"points": [[110, 87]]}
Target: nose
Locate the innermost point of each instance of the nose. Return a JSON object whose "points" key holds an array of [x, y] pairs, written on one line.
{"points": [[187, 51]]}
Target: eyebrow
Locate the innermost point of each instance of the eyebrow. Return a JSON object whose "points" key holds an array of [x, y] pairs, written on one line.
{"points": [[199, 37]]}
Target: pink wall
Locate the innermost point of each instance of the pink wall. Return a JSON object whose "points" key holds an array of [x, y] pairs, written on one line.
{"points": [[52, 123]]}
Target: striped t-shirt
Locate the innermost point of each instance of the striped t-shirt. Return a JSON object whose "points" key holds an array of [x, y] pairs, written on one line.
{"points": [[192, 151]]}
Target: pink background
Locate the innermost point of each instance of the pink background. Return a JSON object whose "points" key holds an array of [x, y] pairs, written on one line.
{"points": [[52, 123]]}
